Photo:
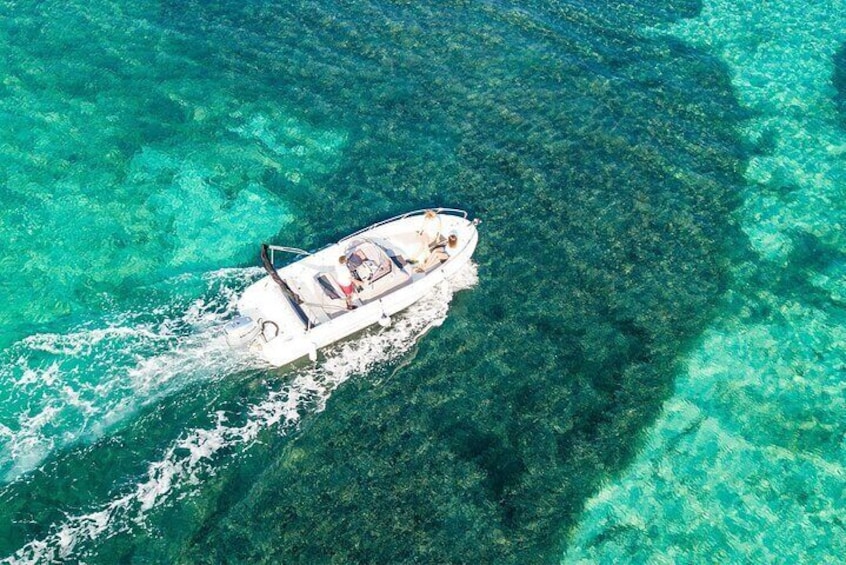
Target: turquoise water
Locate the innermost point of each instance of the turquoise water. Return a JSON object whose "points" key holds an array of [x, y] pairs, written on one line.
{"points": [[645, 363], [747, 460]]}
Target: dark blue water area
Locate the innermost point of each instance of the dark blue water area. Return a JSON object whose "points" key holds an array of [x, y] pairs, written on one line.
{"points": [[605, 167], [839, 81]]}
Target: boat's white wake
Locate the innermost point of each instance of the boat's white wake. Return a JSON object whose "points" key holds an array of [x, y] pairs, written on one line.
{"points": [[197, 453], [63, 388]]}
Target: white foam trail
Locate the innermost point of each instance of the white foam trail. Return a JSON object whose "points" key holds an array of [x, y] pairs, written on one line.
{"points": [[192, 457], [75, 386]]}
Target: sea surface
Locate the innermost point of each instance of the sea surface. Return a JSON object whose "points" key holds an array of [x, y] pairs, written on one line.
{"points": [[645, 363]]}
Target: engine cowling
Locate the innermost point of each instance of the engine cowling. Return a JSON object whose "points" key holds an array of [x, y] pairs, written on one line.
{"points": [[241, 331]]}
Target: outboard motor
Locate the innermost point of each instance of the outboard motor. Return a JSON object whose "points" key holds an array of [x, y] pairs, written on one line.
{"points": [[241, 331]]}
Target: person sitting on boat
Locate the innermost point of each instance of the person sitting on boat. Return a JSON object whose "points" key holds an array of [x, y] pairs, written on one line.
{"points": [[345, 280], [441, 253], [431, 229], [430, 237], [447, 250]]}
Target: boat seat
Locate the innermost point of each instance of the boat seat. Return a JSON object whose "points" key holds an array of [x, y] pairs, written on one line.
{"points": [[399, 261], [368, 263], [329, 285]]}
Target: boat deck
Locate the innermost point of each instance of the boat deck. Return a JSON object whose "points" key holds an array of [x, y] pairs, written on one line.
{"points": [[314, 281]]}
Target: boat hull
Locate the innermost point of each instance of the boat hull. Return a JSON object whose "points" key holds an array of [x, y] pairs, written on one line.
{"points": [[265, 302]]}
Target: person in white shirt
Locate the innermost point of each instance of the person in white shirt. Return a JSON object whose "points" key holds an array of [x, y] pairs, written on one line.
{"points": [[430, 237], [345, 280], [431, 230]]}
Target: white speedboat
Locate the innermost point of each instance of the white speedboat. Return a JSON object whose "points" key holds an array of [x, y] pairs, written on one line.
{"points": [[302, 306]]}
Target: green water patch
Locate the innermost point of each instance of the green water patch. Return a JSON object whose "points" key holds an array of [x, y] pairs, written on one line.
{"points": [[605, 168], [129, 157], [746, 461]]}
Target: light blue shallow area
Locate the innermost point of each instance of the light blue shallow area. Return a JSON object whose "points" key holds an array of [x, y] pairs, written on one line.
{"points": [[126, 158], [747, 462]]}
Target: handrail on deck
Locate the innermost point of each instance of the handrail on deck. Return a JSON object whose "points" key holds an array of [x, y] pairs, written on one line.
{"points": [[298, 251], [285, 249], [450, 211]]}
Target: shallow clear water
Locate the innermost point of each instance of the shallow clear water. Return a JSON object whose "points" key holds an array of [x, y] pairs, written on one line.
{"points": [[656, 308], [747, 461]]}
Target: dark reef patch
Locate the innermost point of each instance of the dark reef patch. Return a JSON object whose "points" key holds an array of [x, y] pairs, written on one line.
{"points": [[839, 81]]}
